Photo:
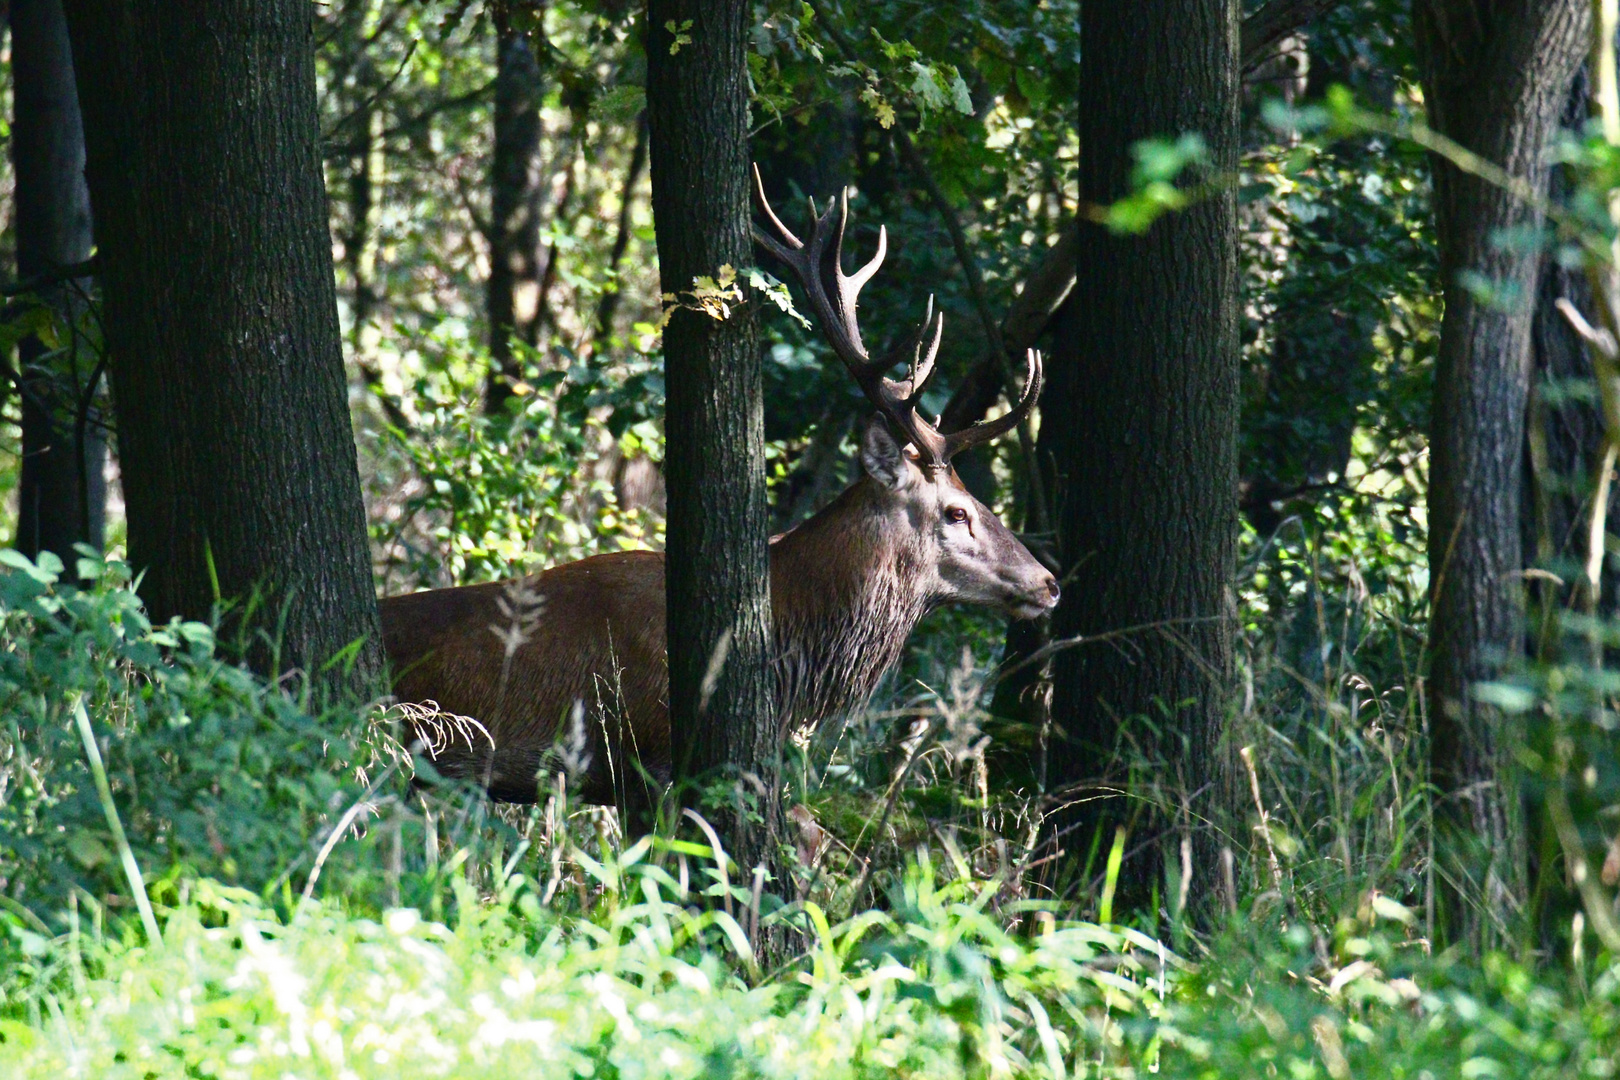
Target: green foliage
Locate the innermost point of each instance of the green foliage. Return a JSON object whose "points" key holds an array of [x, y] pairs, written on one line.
{"points": [[490, 496], [1159, 163], [211, 768], [1388, 1012], [643, 990]]}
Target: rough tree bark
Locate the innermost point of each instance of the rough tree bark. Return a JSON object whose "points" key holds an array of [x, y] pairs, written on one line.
{"points": [[718, 589], [1146, 480], [1495, 79], [221, 322], [62, 492], [514, 218]]}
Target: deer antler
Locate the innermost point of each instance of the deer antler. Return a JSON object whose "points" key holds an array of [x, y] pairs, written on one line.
{"points": [[817, 265]]}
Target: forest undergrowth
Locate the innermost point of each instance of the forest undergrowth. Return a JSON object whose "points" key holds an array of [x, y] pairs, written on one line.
{"points": [[314, 914]]}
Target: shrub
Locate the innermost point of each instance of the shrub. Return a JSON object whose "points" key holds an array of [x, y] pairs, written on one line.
{"points": [[211, 767]]}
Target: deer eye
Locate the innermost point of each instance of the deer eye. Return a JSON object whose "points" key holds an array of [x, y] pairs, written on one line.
{"points": [[956, 515]]}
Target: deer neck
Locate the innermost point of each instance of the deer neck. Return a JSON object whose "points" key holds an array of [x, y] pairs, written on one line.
{"points": [[847, 588]]}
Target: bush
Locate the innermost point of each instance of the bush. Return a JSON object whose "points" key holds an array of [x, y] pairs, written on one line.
{"points": [[211, 768]]}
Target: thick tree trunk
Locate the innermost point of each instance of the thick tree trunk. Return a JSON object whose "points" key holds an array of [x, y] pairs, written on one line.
{"points": [[514, 224], [718, 590], [220, 313], [1494, 81], [62, 493], [1147, 473]]}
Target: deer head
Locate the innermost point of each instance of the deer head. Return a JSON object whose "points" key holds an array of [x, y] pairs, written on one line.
{"points": [[966, 553]]}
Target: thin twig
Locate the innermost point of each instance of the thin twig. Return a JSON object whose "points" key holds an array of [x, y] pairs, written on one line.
{"points": [[1055, 647], [338, 832]]}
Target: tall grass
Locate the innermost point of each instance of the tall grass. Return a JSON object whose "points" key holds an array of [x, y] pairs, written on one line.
{"points": [[343, 923]]}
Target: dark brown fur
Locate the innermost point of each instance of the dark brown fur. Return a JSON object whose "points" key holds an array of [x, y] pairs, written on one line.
{"points": [[847, 587]]}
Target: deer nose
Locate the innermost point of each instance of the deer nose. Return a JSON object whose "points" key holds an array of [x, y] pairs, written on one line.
{"points": [[1052, 589]]}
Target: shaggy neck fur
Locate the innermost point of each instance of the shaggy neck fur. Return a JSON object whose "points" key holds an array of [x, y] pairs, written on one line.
{"points": [[847, 588]]}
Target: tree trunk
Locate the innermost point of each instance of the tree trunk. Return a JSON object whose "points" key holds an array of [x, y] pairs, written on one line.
{"points": [[718, 591], [220, 314], [1147, 471], [1564, 438], [1495, 82], [514, 222], [364, 164], [609, 304], [1564, 433], [61, 492]]}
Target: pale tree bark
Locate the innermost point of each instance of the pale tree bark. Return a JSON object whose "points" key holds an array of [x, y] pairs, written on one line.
{"points": [[220, 312], [718, 586], [1496, 76], [61, 490], [1143, 431]]}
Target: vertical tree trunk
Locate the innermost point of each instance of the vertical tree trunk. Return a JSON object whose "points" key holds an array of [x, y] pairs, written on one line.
{"points": [[514, 225], [364, 164], [1494, 81], [718, 590], [220, 312], [1147, 476], [609, 304], [62, 494]]}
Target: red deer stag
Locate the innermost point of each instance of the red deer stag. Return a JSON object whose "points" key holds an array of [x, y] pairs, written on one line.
{"points": [[847, 586]]}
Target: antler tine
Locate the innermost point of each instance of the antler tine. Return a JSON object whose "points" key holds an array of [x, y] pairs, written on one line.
{"points": [[807, 260], [908, 392], [923, 356], [767, 241], [984, 431], [918, 351], [900, 398], [850, 285], [818, 267]]}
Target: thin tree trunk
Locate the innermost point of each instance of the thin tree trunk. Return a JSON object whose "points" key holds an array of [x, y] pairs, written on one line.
{"points": [[1564, 442], [1494, 81], [61, 492], [1024, 690], [608, 306], [718, 586], [514, 226], [220, 313], [548, 277], [1147, 469], [359, 251]]}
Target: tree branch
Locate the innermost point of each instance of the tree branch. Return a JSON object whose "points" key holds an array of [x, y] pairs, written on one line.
{"points": [[1044, 291], [1263, 29]]}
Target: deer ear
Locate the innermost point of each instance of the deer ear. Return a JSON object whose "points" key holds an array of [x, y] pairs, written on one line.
{"points": [[882, 457]]}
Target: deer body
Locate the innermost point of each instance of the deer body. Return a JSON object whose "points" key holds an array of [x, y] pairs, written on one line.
{"points": [[847, 588], [587, 639]]}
